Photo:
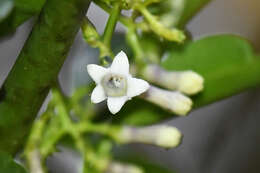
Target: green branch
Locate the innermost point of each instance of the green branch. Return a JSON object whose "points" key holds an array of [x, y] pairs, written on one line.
{"points": [[36, 69], [111, 24], [172, 34], [123, 19]]}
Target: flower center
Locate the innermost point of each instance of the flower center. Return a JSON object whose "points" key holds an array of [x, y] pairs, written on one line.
{"points": [[114, 85]]}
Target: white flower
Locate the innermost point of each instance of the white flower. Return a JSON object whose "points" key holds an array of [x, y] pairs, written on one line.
{"points": [[115, 83]]}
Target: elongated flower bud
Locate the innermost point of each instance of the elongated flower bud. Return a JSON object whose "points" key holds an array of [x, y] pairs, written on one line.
{"points": [[160, 135], [170, 100], [187, 82], [116, 167], [89, 32]]}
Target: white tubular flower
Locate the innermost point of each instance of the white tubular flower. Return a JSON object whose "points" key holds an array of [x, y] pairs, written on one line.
{"points": [[115, 83], [173, 101], [159, 135], [187, 82]]}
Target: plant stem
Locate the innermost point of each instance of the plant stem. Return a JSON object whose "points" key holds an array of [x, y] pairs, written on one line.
{"points": [[36, 68], [31, 151], [87, 111], [133, 41], [111, 24], [158, 28], [103, 129], [123, 19]]}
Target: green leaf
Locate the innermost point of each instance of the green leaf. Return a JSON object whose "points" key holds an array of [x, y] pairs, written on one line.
{"points": [[6, 7], [226, 62], [190, 9], [7, 164], [21, 11]]}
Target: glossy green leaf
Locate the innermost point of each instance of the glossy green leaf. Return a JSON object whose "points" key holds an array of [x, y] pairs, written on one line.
{"points": [[7, 164], [6, 7], [226, 62]]}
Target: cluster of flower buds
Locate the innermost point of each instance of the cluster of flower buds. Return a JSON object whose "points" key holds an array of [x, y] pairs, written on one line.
{"points": [[159, 135], [117, 85], [186, 82]]}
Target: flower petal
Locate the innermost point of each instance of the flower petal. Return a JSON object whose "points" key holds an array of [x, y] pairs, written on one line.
{"points": [[136, 86], [120, 64], [98, 94], [96, 72], [115, 103]]}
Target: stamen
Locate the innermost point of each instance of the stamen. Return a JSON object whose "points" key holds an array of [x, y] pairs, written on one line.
{"points": [[114, 85]]}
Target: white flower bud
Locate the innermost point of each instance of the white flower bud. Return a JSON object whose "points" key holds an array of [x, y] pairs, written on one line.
{"points": [[160, 135], [187, 82], [169, 100], [116, 167], [168, 137], [190, 82]]}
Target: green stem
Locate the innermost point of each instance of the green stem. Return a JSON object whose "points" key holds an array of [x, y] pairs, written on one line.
{"points": [[131, 33], [86, 111], [133, 41], [158, 28], [104, 129], [93, 162], [31, 151], [75, 130], [36, 68], [123, 19], [49, 141], [111, 24], [59, 125], [61, 109]]}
